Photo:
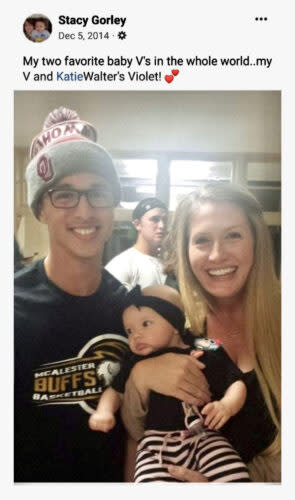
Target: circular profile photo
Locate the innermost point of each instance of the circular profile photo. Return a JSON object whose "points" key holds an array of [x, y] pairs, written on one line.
{"points": [[37, 28]]}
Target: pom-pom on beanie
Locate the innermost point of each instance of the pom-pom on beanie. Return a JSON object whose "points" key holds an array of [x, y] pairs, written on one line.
{"points": [[66, 145]]}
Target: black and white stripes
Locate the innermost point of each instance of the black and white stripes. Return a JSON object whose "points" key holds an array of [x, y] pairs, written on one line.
{"points": [[209, 453]]}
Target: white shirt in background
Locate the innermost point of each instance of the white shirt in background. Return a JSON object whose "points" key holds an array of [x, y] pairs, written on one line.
{"points": [[132, 268]]}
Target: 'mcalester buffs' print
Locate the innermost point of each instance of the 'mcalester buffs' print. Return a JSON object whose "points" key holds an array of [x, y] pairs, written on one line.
{"points": [[80, 380]]}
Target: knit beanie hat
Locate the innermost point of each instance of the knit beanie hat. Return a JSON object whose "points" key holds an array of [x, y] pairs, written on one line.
{"points": [[66, 145]]}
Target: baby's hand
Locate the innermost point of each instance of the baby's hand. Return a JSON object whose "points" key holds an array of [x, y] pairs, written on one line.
{"points": [[217, 414], [102, 421]]}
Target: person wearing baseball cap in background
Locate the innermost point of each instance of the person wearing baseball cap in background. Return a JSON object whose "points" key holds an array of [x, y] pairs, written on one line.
{"points": [[139, 265], [68, 337]]}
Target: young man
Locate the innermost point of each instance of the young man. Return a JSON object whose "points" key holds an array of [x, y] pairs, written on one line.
{"points": [[68, 334], [139, 265]]}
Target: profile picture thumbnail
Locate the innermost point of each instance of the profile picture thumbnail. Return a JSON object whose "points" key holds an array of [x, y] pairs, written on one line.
{"points": [[37, 28]]}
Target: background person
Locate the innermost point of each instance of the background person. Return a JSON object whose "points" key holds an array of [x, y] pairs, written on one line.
{"points": [[66, 322], [140, 265], [221, 251], [175, 432]]}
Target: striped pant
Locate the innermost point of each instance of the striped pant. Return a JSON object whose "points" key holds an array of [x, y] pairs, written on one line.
{"points": [[209, 453]]}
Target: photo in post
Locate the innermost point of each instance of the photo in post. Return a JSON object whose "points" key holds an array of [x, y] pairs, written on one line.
{"points": [[157, 101], [157, 173]]}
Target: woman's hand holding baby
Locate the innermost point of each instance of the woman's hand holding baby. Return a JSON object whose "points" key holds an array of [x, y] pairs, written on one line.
{"points": [[174, 375]]}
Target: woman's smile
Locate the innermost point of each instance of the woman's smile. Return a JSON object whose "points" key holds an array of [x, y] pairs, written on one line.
{"points": [[221, 248]]}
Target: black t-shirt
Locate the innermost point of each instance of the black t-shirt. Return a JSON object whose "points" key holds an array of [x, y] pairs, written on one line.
{"points": [[67, 350], [250, 431]]}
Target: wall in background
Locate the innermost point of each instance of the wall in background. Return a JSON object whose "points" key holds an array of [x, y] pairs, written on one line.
{"points": [[216, 122]]}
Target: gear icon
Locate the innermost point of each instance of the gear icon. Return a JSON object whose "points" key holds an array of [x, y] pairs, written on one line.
{"points": [[122, 35]]}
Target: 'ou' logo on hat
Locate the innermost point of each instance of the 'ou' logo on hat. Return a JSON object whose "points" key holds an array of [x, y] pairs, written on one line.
{"points": [[44, 168]]}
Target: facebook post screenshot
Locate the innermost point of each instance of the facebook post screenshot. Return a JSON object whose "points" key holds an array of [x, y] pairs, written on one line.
{"points": [[148, 183]]}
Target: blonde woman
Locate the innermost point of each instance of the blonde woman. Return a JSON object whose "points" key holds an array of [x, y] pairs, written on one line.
{"points": [[221, 252]]}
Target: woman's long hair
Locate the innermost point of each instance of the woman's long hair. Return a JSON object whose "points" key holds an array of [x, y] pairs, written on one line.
{"points": [[262, 293]]}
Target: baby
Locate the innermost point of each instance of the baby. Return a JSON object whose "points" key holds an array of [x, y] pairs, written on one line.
{"points": [[176, 433], [40, 33]]}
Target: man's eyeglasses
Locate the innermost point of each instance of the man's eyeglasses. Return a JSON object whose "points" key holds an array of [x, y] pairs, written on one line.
{"points": [[70, 198]]}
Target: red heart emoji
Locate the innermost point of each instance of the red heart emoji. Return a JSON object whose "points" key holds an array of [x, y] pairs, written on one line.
{"points": [[175, 72], [169, 78]]}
